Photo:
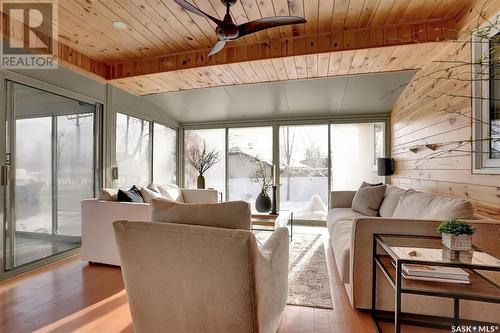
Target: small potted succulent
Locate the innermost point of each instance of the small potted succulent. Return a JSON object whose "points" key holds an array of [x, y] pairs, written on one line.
{"points": [[456, 234]]}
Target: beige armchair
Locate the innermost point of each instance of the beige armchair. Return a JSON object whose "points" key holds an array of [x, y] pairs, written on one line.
{"points": [[191, 278]]}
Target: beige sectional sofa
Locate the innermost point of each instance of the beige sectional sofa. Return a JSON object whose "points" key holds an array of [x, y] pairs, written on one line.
{"points": [[402, 212]]}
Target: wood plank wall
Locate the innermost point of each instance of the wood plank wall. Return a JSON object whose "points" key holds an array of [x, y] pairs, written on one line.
{"points": [[427, 114]]}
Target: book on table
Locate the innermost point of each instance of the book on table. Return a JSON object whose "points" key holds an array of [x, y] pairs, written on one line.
{"points": [[429, 272]]}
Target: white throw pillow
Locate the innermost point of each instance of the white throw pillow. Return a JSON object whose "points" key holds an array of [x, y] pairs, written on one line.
{"points": [[171, 192], [148, 194]]}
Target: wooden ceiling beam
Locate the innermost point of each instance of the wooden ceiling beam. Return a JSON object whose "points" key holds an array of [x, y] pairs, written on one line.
{"points": [[344, 40]]}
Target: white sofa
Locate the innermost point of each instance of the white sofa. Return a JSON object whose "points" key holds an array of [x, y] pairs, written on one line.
{"points": [[98, 240], [402, 212]]}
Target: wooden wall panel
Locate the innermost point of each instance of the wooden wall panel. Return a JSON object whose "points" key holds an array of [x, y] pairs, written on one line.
{"points": [[426, 114]]}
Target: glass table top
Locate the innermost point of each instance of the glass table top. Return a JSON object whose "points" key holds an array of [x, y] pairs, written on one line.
{"points": [[430, 249]]}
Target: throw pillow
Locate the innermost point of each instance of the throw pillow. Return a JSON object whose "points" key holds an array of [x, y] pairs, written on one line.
{"points": [[132, 195], [171, 192], [148, 194], [368, 199], [424, 205], [391, 199], [232, 215], [108, 194]]}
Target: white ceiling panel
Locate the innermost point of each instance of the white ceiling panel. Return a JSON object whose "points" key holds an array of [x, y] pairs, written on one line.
{"points": [[358, 94]]}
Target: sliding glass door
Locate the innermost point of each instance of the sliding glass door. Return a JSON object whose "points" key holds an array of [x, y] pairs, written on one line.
{"points": [[313, 159], [52, 157], [304, 170], [249, 148]]}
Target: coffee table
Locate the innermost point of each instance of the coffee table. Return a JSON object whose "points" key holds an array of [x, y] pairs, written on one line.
{"points": [[390, 252], [270, 222]]}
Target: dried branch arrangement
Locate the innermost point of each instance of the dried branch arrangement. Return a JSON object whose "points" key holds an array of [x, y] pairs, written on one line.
{"points": [[202, 158]]}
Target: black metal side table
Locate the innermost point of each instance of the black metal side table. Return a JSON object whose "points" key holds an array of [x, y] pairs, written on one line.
{"points": [[387, 256]]}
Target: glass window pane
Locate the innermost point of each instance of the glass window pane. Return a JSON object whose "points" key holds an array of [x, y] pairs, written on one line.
{"points": [[164, 155], [495, 97], [215, 141], [133, 155], [75, 168], [354, 151], [247, 146], [304, 171], [33, 183]]}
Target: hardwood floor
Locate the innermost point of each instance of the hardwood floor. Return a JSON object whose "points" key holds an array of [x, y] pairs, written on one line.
{"points": [[72, 296]]}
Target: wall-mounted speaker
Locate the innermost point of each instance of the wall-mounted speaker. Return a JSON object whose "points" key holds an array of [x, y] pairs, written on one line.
{"points": [[385, 166]]}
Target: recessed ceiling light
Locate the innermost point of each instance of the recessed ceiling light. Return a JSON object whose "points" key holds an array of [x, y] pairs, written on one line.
{"points": [[119, 25]]}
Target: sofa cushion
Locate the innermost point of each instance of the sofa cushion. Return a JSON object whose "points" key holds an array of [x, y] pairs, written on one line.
{"points": [[232, 215], [148, 194], [171, 192], [340, 214], [391, 199], [341, 244], [368, 199], [422, 205]]}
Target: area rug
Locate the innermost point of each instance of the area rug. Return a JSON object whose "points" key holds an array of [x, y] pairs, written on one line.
{"points": [[308, 283]]}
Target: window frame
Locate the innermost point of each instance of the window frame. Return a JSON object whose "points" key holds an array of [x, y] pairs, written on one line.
{"points": [[481, 107]]}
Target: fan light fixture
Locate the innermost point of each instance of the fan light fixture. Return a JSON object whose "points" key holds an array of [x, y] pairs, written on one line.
{"points": [[227, 30]]}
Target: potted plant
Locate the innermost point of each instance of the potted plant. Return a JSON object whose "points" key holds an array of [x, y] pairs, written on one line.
{"points": [[263, 178], [456, 234], [202, 160]]}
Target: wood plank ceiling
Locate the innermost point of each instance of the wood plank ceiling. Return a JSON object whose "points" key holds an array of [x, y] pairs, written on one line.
{"points": [[164, 48], [161, 27]]}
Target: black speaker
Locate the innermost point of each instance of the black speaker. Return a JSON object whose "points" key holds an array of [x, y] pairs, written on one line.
{"points": [[385, 166]]}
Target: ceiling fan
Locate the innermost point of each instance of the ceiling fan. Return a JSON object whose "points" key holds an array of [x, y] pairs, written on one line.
{"points": [[226, 29]]}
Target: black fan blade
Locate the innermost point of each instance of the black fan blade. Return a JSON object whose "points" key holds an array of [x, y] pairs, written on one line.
{"points": [[267, 23], [193, 9]]}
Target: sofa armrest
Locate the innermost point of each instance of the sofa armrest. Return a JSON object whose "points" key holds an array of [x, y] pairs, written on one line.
{"points": [[341, 199], [98, 239], [195, 196], [271, 279], [363, 229]]}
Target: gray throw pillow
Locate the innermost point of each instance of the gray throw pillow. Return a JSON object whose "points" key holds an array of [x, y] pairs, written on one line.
{"points": [[368, 199]]}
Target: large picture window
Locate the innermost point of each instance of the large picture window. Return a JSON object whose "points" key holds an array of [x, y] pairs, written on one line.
{"points": [[486, 99], [213, 140], [133, 153], [164, 155], [145, 152]]}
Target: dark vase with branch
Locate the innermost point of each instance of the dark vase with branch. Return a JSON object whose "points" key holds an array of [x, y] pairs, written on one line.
{"points": [[202, 159], [263, 177]]}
